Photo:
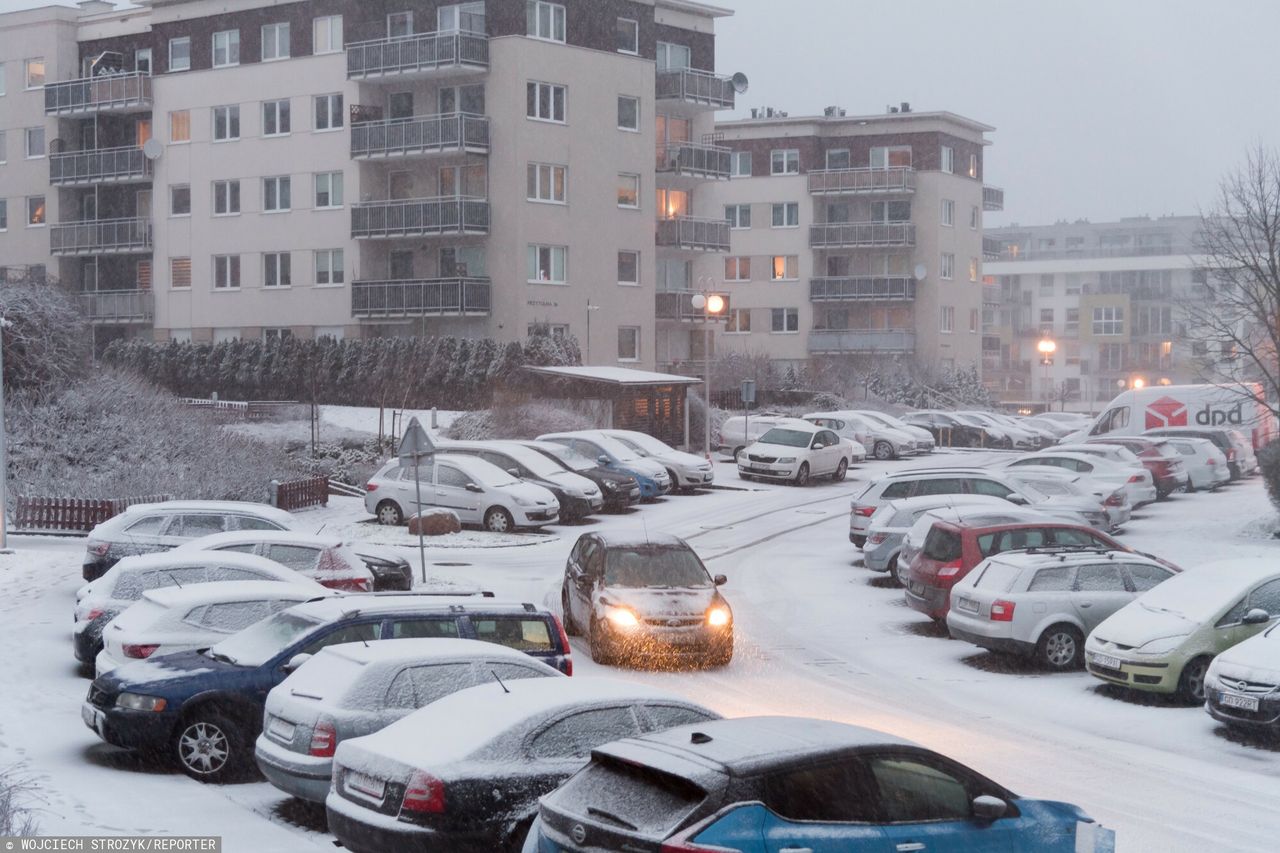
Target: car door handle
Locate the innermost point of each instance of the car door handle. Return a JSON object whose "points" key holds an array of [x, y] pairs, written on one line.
{"points": [[796, 850], [1086, 604], [910, 845]]}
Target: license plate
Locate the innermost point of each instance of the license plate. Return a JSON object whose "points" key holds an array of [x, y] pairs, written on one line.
{"points": [[366, 785], [916, 588], [281, 729], [967, 604], [762, 468], [1235, 700], [93, 718], [1107, 661], [1093, 838], [707, 478]]}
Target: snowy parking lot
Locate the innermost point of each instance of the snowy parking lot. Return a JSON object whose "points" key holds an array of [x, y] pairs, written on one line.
{"points": [[817, 634]]}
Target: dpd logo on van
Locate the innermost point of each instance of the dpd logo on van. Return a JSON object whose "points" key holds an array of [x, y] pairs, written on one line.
{"points": [[1166, 412]]}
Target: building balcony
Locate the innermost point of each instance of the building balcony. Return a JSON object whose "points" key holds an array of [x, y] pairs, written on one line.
{"points": [[992, 198], [678, 305], [862, 289], [866, 341], [101, 237], [126, 165], [433, 297], [421, 217], [115, 93], [118, 307], [990, 249], [451, 133], [689, 159], [696, 88], [843, 235], [694, 234], [421, 55], [992, 295], [867, 181]]}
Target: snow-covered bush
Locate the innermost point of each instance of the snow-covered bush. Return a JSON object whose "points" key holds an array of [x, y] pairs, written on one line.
{"points": [[48, 341], [527, 420], [17, 793], [825, 401], [350, 462], [1269, 462]]}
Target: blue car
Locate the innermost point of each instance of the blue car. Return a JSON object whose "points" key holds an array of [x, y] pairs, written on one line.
{"points": [[770, 784], [653, 477], [204, 708]]}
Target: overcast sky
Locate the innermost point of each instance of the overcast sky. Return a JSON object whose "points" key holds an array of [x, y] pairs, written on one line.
{"points": [[1102, 108]]}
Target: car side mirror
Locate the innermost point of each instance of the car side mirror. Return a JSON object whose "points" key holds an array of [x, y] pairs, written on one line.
{"points": [[818, 445], [720, 580], [514, 472], [987, 808], [472, 487], [1018, 499], [296, 661], [1256, 616], [602, 459]]}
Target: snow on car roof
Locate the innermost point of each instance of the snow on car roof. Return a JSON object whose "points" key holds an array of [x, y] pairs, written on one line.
{"points": [[394, 651], [271, 537], [635, 538], [221, 592], [339, 605], [935, 501], [184, 556], [246, 507], [1042, 557]]}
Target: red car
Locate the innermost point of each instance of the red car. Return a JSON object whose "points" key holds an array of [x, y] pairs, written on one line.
{"points": [[1163, 461]]}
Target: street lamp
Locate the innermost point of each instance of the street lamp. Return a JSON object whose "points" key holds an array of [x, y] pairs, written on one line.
{"points": [[5, 323], [1139, 383], [710, 304], [1047, 348]]}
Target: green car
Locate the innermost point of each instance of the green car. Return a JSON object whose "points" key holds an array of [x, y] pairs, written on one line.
{"points": [[1164, 640]]}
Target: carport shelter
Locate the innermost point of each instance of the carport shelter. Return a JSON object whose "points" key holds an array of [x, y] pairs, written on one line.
{"points": [[653, 403]]}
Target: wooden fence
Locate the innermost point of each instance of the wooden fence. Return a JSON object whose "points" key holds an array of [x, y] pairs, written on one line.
{"points": [[300, 494], [71, 514]]}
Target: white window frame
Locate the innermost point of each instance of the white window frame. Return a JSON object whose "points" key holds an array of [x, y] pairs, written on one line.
{"points": [[635, 355], [556, 21], [787, 208], [333, 107], [634, 50], [558, 94], [975, 217], [139, 55], [222, 193], [231, 272], [544, 180], [667, 50], [277, 265], [790, 268], [225, 115], [44, 205], [636, 101], [556, 256], [626, 182], [278, 182], [736, 161], [232, 45], [947, 320], [26, 73], [278, 109], [271, 35], [405, 22], [174, 42], [333, 189], [1107, 321], [332, 26], [26, 143], [947, 266], [173, 140], [973, 166], [636, 255], [173, 188], [947, 214], [733, 321], [733, 213], [787, 314], [4, 215], [973, 269], [333, 264], [787, 158], [947, 159], [738, 264], [174, 263]]}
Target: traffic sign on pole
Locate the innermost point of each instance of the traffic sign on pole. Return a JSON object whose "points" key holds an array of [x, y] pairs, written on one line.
{"points": [[414, 445]]}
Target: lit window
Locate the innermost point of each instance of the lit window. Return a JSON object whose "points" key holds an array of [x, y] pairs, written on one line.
{"points": [[784, 268], [629, 191], [180, 126], [35, 211], [35, 72], [973, 269], [548, 264]]}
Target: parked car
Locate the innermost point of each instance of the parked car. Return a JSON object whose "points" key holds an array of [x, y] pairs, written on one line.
{"points": [[1043, 435], [1163, 461], [951, 551], [798, 452], [1163, 642], [1248, 459], [618, 489], [613, 454], [1042, 603], [951, 431], [1136, 481], [102, 600], [645, 596], [1206, 465], [1021, 438], [355, 689], [1060, 429], [771, 784], [1242, 686], [178, 619], [464, 773], [327, 560], [1058, 482], [738, 431], [925, 442], [149, 528], [913, 540], [890, 523], [875, 438], [478, 492], [204, 708], [1221, 439], [687, 471], [578, 497]]}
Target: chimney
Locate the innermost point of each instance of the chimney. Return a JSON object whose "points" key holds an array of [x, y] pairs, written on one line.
{"points": [[755, 112], [906, 107]]}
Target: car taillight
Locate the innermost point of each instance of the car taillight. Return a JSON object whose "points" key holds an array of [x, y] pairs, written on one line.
{"points": [[1212, 460], [564, 643], [324, 740], [876, 538], [1231, 454], [346, 584], [1116, 499], [950, 570], [1136, 478], [92, 614], [371, 487], [98, 549], [139, 650], [423, 795], [864, 511], [1001, 611]]}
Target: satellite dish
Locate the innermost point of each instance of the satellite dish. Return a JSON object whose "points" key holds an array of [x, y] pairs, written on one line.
{"points": [[739, 82], [921, 272], [152, 149]]}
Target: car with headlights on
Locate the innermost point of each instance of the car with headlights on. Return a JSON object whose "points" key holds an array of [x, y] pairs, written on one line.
{"points": [[613, 454], [636, 595], [687, 471], [618, 489], [1242, 686], [797, 452], [578, 496]]}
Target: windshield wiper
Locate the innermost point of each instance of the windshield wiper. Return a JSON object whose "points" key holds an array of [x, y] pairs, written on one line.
{"points": [[219, 656], [610, 816]]}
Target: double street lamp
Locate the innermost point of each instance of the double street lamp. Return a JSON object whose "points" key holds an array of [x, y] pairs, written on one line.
{"points": [[711, 305], [1047, 348]]}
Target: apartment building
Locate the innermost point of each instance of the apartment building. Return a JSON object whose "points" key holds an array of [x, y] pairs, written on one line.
{"points": [[1109, 297], [857, 238], [220, 169]]}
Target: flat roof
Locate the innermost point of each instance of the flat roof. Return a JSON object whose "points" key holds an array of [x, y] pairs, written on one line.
{"points": [[826, 121], [615, 375]]}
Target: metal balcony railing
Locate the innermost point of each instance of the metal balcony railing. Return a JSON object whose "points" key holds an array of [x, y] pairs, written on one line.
{"points": [[696, 87], [862, 341], [130, 92], [678, 305], [867, 181], [101, 166], [101, 237], [862, 289], [990, 249], [420, 217], [118, 307], [992, 198], [435, 297], [991, 294], [694, 233], [406, 137], [835, 235], [690, 158], [417, 54]]}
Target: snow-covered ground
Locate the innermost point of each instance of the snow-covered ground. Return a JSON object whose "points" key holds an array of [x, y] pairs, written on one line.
{"points": [[817, 634]]}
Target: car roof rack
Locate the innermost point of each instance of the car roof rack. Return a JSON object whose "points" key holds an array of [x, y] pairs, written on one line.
{"points": [[1064, 551], [483, 593]]}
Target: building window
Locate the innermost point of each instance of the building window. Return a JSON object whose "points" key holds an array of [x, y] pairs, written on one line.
{"points": [[784, 162], [1108, 320], [948, 159], [226, 272], [275, 118], [545, 20], [276, 195], [34, 142], [890, 211], [141, 61], [328, 112], [1046, 284], [1071, 328], [973, 165], [737, 268], [35, 72], [4, 214], [226, 48], [740, 164], [226, 335], [328, 190], [673, 56], [326, 34], [461, 18], [548, 264], [276, 334], [838, 159], [739, 216], [628, 36], [1046, 317], [891, 157], [628, 113], [975, 217], [948, 319], [545, 102], [179, 199], [738, 321], [785, 320], [948, 270], [226, 198], [35, 211], [330, 267], [973, 269], [275, 41], [180, 126], [628, 343], [180, 54], [399, 25], [948, 212], [629, 268], [180, 273], [547, 183], [786, 215], [629, 191], [277, 269], [784, 268], [226, 123], [974, 320]]}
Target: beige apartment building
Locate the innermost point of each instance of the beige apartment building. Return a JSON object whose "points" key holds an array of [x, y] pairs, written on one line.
{"points": [[219, 169]]}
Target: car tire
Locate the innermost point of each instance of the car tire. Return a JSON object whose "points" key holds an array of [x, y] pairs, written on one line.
{"points": [[596, 643], [857, 540], [498, 520], [802, 475], [1060, 648], [390, 514], [841, 470], [566, 618], [883, 450], [210, 748], [516, 838], [895, 571], [1191, 681], [738, 450]]}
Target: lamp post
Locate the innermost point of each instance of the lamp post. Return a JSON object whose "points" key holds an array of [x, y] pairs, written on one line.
{"points": [[709, 304], [590, 309], [1047, 348], [4, 451]]}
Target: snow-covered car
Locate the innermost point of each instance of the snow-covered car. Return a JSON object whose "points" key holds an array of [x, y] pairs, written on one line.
{"points": [[476, 491], [148, 528], [924, 439], [355, 689], [1057, 482], [179, 619], [876, 439], [620, 490], [613, 454], [1247, 459], [466, 771], [687, 470], [1042, 604], [100, 601], [890, 523], [1163, 642], [1242, 686], [798, 452], [1060, 429], [738, 431], [1136, 480], [1206, 465], [578, 497], [1017, 437], [327, 560], [644, 596], [913, 540]]}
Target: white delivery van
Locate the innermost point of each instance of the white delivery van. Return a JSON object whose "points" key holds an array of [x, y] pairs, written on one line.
{"points": [[1224, 406]]}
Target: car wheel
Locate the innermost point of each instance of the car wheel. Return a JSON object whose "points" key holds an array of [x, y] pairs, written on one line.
{"points": [[1061, 648], [1191, 682], [498, 520], [570, 627], [841, 470], [895, 571], [600, 653], [736, 451], [883, 450], [802, 475], [389, 513], [209, 747], [858, 540]]}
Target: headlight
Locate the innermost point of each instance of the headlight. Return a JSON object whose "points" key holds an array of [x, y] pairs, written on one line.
{"points": [[786, 460], [718, 617], [1160, 646], [610, 485], [138, 702], [621, 617], [523, 502]]}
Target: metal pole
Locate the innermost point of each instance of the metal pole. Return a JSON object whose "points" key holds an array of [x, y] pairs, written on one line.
{"points": [[706, 420], [417, 488], [587, 360], [4, 452]]}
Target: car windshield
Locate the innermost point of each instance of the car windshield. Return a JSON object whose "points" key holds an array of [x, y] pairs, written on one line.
{"points": [[540, 465], [568, 456], [646, 443], [968, 419], [1196, 596], [629, 442], [622, 452], [263, 640], [654, 566], [490, 475], [1032, 493], [1050, 487], [787, 437]]}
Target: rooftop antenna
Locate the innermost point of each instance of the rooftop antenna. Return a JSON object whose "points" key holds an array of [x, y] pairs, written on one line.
{"points": [[499, 680]]}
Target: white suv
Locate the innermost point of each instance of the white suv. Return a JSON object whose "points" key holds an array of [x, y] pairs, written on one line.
{"points": [[925, 481], [797, 451]]}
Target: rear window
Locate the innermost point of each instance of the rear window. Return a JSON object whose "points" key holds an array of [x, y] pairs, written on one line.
{"points": [[1057, 579], [942, 545], [997, 577], [1011, 540], [525, 635], [899, 489], [652, 801]]}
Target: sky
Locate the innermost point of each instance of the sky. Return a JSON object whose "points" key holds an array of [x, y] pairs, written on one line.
{"points": [[1102, 108]]}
